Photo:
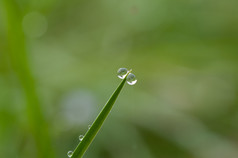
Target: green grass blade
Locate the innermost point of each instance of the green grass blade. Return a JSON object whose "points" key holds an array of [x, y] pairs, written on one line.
{"points": [[19, 65], [93, 130]]}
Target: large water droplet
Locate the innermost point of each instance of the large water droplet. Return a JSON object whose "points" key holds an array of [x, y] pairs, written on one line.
{"points": [[121, 73], [80, 137], [70, 153], [131, 79]]}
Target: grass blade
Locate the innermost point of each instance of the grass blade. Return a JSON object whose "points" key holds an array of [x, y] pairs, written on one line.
{"points": [[93, 130]]}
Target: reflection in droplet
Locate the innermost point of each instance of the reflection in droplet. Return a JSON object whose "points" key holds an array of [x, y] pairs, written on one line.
{"points": [[131, 79], [70, 153], [81, 137], [121, 73]]}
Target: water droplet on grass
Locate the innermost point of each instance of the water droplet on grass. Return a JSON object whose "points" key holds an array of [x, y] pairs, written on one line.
{"points": [[70, 153], [121, 73], [89, 126], [80, 137], [131, 79]]}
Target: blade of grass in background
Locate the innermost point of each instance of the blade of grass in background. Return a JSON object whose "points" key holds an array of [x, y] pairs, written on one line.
{"points": [[19, 61], [93, 130]]}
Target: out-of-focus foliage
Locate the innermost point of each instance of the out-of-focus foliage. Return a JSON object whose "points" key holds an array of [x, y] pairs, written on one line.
{"points": [[58, 63]]}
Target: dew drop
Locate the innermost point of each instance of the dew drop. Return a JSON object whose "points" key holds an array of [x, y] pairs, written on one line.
{"points": [[121, 73], [89, 126], [80, 137], [131, 79], [70, 153]]}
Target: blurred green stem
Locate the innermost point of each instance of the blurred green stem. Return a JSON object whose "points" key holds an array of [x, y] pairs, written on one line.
{"points": [[19, 61]]}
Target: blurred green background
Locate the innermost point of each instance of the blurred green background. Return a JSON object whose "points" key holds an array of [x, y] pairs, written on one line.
{"points": [[58, 63]]}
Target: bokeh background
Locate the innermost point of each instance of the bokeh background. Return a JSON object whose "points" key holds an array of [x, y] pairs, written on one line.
{"points": [[58, 63]]}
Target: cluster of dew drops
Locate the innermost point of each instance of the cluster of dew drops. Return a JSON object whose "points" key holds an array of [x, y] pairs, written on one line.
{"points": [[70, 153], [130, 79], [121, 73]]}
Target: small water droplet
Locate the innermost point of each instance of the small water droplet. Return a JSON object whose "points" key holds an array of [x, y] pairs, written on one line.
{"points": [[121, 73], [70, 153], [89, 126], [131, 79], [80, 137]]}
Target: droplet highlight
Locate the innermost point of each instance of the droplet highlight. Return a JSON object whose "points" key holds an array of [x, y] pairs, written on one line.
{"points": [[131, 79], [81, 137], [70, 153], [89, 126], [121, 73]]}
